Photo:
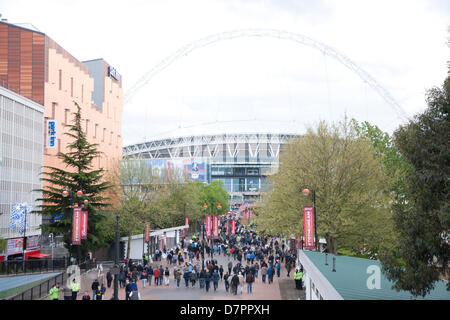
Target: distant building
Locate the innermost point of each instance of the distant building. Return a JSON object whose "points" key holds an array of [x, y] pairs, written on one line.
{"points": [[242, 161], [21, 158], [353, 279], [39, 69]]}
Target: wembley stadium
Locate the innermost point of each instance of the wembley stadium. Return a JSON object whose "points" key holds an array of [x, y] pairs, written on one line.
{"points": [[242, 161]]}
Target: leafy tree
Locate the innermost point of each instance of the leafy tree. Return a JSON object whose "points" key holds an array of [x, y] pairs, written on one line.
{"points": [[421, 215], [79, 175], [342, 168]]}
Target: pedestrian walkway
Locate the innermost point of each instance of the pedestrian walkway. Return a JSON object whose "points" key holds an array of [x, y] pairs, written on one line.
{"points": [[261, 291]]}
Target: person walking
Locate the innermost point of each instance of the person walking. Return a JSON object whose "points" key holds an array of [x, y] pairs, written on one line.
{"points": [[122, 277], [150, 275], [75, 288], [193, 277], [156, 274], [178, 277], [94, 288], [235, 283], [278, 268], [187, 277], [230, 266], [226, 281], [215, 278], [167, 275], [288, 267], [54, 292], [144, 276], [250, 278], [109, 279], [127, 289], [207, 280], [202, 278], [241, 282], [161, 275], [270, 274], [263, 273], [221, 272]]}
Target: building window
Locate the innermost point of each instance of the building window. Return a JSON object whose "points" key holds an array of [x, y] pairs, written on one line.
{"points": [[104, 134], [82, 93], [54, 104], [71, 87], [60, 79], [66, 115], [87, 126], [95, 131]]}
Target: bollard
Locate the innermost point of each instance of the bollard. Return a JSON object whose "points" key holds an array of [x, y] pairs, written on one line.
{"points": [[334, 264]]}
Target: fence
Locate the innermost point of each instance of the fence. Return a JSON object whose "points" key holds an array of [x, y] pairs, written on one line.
{"points": [[41, 290], [16, 267]]}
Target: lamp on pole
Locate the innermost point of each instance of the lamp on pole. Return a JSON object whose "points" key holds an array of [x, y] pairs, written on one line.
{"points": [[116, 262], [73, 196], [306, 193]]}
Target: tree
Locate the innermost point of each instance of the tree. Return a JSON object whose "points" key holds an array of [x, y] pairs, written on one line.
{"points": [[421, 214], [343, 170], [78, 176]]}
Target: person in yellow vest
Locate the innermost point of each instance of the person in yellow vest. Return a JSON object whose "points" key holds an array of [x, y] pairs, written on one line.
{"points": [[75, 288], [54, 292], [298, 276]]}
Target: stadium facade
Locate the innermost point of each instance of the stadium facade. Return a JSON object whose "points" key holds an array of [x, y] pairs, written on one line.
{"points": [[242, 161]]}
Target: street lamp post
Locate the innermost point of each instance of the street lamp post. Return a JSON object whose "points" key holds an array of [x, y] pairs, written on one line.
{"points": [[306, 192], [116, 262], [74, 203], [24, 243]]}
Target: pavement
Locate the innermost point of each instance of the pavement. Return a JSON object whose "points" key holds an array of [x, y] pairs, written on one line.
{"points": [[282, 288]]}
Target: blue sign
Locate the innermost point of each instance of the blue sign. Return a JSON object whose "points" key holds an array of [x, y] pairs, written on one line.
{"points": [[51, 134], [113, 73]]}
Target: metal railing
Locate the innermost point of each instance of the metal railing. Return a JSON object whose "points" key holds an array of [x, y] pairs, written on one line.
{"points": [[17, 267], [41, 290]]}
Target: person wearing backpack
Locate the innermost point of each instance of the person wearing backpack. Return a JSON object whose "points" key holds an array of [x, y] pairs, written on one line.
{"points": [[249, 278], [135, 295]]}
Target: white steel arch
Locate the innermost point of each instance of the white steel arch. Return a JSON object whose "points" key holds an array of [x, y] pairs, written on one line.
{"points": [[269, 33]]}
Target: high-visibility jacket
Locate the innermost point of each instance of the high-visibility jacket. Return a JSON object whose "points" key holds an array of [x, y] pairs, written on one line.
{"points": [[54, 293], [75, 286], [298, 275]]}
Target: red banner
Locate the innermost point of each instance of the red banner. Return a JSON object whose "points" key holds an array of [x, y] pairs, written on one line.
{"points": [[147, 232], [182, 233], [208, 226], [76, 226], [84, 224], [216, 226], [186, 221], [233, 227], [308, 218]]}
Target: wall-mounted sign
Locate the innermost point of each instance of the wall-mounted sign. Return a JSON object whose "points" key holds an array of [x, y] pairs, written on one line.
{"points": [[33, 242], [113, 73], [14, 246], [51, 134]]}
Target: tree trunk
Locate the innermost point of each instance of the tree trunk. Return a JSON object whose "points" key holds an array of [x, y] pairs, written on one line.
{"points": [[331, 244]]}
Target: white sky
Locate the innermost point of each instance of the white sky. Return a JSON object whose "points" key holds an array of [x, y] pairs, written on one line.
{"points": [[270, 84]]}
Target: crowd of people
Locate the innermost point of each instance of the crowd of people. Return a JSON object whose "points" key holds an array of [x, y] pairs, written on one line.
{"points": [[194, 263], [248, 255]]}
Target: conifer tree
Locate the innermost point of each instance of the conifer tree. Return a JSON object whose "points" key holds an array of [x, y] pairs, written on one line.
{"points": [[77, 176]]}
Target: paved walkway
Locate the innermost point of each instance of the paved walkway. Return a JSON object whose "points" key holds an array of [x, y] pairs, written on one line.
{"points": [[261, 291]]}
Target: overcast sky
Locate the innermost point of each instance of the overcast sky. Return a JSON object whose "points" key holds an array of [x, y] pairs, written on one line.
{"points": [[253, 84]]}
